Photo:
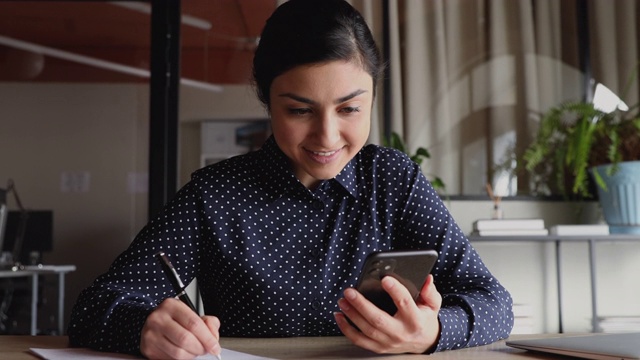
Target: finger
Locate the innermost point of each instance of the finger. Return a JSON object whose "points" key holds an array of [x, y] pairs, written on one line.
{"points": [[168, 350], [213, 324], [354, 335], [158, 333], [399, 294], [198, 337], [372, 321], [345, 326]]}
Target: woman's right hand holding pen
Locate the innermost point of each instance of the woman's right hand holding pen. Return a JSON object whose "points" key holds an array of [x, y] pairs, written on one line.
{"points": [[174, 331]]}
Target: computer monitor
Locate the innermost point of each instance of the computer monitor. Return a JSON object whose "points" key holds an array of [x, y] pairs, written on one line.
{"points": [[38, 233]]}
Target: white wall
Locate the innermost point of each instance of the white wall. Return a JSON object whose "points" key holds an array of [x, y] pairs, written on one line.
{"points": [[101, 131], [48, 130]]}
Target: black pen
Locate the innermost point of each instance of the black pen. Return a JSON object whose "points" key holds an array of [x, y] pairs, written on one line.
{"points": [[173, 277], [177, 284]]}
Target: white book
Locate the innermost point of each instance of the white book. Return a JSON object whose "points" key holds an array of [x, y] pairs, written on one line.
{"points": [[619, 319], [508, 224], [512, 232], [582, 229], [522, 310]]}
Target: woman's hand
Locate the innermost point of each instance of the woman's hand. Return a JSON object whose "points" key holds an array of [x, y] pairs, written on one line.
{"points": [[174, 331], [413, 329]]}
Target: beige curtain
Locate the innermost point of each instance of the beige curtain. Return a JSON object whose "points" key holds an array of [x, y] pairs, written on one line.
{"points": [[470, 78]]}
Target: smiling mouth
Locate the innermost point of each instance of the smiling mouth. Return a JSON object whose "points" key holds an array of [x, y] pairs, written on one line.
{"points": [[325, 153], [324, 157]]}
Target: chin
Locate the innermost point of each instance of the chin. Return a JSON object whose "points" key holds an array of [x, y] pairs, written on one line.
{"points": [[324, 175]]}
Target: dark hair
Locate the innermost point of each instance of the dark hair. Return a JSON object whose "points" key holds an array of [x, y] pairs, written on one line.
{"points": [[303, 32]]}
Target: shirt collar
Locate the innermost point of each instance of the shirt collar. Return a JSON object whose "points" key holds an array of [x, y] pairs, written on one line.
{"points": [[278, 177], [347, 176], [275, 170]]}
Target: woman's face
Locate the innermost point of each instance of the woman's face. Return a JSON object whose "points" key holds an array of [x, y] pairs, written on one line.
{"points": [[321, 116]]}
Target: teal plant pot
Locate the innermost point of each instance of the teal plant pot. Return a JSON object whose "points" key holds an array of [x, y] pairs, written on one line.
{"points": [[621, 201]]}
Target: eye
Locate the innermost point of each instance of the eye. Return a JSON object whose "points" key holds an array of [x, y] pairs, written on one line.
{"points": [[299, 111], [350, 109]]}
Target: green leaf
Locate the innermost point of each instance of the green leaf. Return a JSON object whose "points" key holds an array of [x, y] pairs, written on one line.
{"points": [[598, 179], [395, 141], [437, 183], [423, 152]]}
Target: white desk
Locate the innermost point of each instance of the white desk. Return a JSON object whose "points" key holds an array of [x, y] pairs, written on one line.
{"points": [[557, 239], [34, 271]]}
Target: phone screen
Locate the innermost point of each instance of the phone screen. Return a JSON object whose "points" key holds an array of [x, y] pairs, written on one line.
{"points": [[409, 267]]}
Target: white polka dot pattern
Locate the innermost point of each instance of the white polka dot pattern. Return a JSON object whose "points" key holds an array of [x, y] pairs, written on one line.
{"points": [[272, 257]]}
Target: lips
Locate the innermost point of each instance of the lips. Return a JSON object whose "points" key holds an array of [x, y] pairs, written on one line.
{"points": [[324, 157], [325, 153]]}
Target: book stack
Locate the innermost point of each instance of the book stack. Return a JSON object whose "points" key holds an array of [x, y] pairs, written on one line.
{"points": [[509, 227], [614, 324], [522, 319], [586, 229]]}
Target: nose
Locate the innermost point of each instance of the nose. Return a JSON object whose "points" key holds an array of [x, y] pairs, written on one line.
{"points": [[328, 129]]}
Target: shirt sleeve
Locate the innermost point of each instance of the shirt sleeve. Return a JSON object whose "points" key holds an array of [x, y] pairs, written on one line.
{"points": [[476, 308], [110, 313]]}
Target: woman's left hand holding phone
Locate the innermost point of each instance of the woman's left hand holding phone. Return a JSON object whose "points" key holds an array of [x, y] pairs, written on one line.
{"points": [[174, 331], [414, 328]]}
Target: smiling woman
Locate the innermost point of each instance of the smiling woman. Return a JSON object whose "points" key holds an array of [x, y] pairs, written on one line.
{"points": [[276, 237]]}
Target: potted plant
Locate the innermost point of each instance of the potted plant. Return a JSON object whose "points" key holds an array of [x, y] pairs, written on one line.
{"points": [[396, 142], [582, 151]]}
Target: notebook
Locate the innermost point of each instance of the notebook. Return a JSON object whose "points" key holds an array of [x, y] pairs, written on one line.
{"points": [[619, 346]]}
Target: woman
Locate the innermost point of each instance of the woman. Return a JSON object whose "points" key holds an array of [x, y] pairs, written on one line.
{"points": [[277, 237]]}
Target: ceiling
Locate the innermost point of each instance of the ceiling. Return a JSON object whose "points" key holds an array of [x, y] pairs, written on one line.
{"points": [[217, 40]]}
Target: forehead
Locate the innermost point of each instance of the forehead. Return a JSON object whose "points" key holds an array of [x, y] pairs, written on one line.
{"points": [[332, 74]]}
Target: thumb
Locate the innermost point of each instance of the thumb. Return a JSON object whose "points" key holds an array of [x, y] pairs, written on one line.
{"points": [[429, 295]]}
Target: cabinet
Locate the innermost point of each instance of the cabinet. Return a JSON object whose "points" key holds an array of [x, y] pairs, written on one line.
{"points": [[558, 240]]}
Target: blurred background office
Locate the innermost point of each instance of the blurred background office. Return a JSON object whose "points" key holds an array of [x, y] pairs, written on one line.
{"points": [[84, 122]]}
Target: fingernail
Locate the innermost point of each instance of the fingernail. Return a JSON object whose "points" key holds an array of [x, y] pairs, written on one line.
{"points": [[336, 315], [216, 351], [350, 294], [218, 355], [344, 305], [387, 282]]}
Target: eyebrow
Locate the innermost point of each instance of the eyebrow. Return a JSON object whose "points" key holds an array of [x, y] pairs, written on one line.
{"points": [[312, 102]]}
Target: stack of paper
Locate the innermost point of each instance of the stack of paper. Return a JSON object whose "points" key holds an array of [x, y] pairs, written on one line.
{"points": [[506, 227], [586, 229], [613, 324], [522, 319], [88, 354]]}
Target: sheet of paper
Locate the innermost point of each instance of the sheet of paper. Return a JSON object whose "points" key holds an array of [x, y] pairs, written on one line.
{"points": [[88, 354]]}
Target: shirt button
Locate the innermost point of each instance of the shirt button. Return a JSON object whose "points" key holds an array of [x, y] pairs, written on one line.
{"points": [[316, 305], [315, 252], [318, 205]]}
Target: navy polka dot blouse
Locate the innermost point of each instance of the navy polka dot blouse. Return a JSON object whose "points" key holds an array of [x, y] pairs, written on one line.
{"points": [[272, 257]]}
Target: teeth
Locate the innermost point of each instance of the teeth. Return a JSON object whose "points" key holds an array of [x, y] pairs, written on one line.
{"points": [[325, 153]]}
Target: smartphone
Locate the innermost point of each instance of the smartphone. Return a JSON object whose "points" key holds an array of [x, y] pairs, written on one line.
{"points": [[409, 267]]}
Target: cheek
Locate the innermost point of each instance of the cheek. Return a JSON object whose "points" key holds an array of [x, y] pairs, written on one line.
{"points": [[360, 131], [287, 133]]}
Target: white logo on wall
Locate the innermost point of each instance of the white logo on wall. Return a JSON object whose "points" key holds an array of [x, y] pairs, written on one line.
{"points": [[75, 181]]}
